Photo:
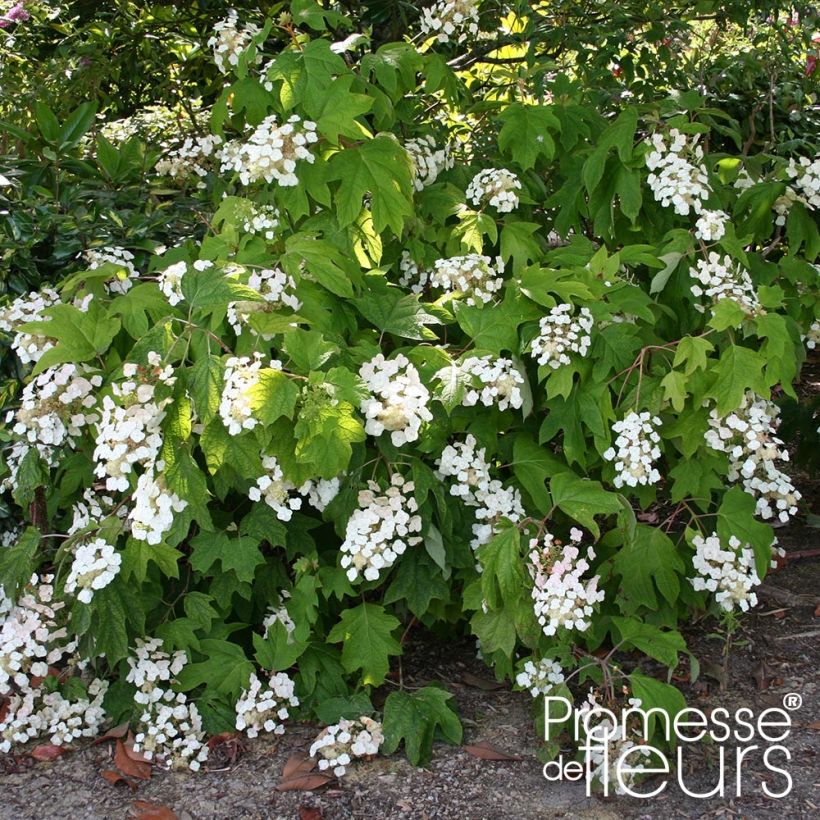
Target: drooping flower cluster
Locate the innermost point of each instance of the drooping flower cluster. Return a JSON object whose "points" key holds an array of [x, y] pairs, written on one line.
{"points": [[711, 225], [562, 597], [398, 400], [450, 20], [229, 41], [338, 745], [276, 288], [380, 530], [496, 187], [472, 275], [54, 408], [265, 709], [806, 176], [636, 450], [123, 259], [320, 492], [193, 159], [717, 279], [562, 332], [728, 572], [170, 729], [678, 177], [747, 436], [608, 742], [275, 490], [272, 151], [92, 509], [428, 161], [170, 282], [96, 564], [129, 429], [235, 406], [541, 677], [29, 347], [154, 506], [493, 502], [262, 220], [278, 614], [412, 276], [492, 382]]}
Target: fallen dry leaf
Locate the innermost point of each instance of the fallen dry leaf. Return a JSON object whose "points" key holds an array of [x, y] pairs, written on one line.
{"points": [[304, 782], [309, 813], [487, 684], [128, 765], [817, 611], [114, 778], [48, 752], [113, 734], [764, 676], [815, 725], [484, 751], [129, 750], [298, 763], [153, 811]]}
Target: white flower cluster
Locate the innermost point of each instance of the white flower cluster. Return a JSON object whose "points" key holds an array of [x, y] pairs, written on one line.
{"points": [[171, 733], [711, 225], [562, 598], [812, 337], [262, 220], [428, 161], [562, 332], [450, 20], [275, 490], [637, 450], [493, 381], [472, 275], [381, 529], [235, 406], [675, 180], [154, 505], [272, 151], [151, 665], [729, 573], [170, 279], [264, 710], [783, 204], [541, 677], [493, 502], [608, 741], [346, 740], [123, 259], [28, 347], [92, 509], [96, 564], [496, 187], [806, 174], [748, 437], [276, 288], [321, 492], [54, 408], [279, 614], [129, 431], [39, 713], [412, 276], [718, 279], [398, 400], [194, 158], [229, 40]]}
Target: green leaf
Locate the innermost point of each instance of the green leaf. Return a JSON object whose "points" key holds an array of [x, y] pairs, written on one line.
{"points": [[736, 516], [532, 465], [649, 561], [366, 634], [274, 395], [349, 707], [518, 243], [108, 626], [582, 499], [226, 669], [661, 645], [525, 134], [416, 718], [379, 167], [277, 650], [654, 694], [199, 608], [205, 386], [496, 631], [693, 351], [323, 261], [138, 554], [674, 389], [504, 575], [220, 448], [395, 312], [78, 122], [17, 562], [738, 370], [417, 581], [241, 554]]}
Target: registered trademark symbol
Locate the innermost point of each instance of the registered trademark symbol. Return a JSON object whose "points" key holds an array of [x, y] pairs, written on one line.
{"points": [[792, 701]]}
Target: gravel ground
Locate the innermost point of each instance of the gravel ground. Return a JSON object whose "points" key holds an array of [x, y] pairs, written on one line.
{"points": [[776, 652]]}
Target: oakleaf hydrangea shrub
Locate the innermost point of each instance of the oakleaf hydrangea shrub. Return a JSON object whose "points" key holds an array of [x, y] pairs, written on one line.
{"points": [[424, 371]]}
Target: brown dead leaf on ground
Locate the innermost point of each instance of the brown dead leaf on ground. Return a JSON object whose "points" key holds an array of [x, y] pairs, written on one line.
{"points": [[112, 734], [47, 752], [309, 813], [225, 749], [298, 763], [153, 811], [130, 766], [484, 751], [304, 782], [115, 778], [487, 684], [815, 725]]}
